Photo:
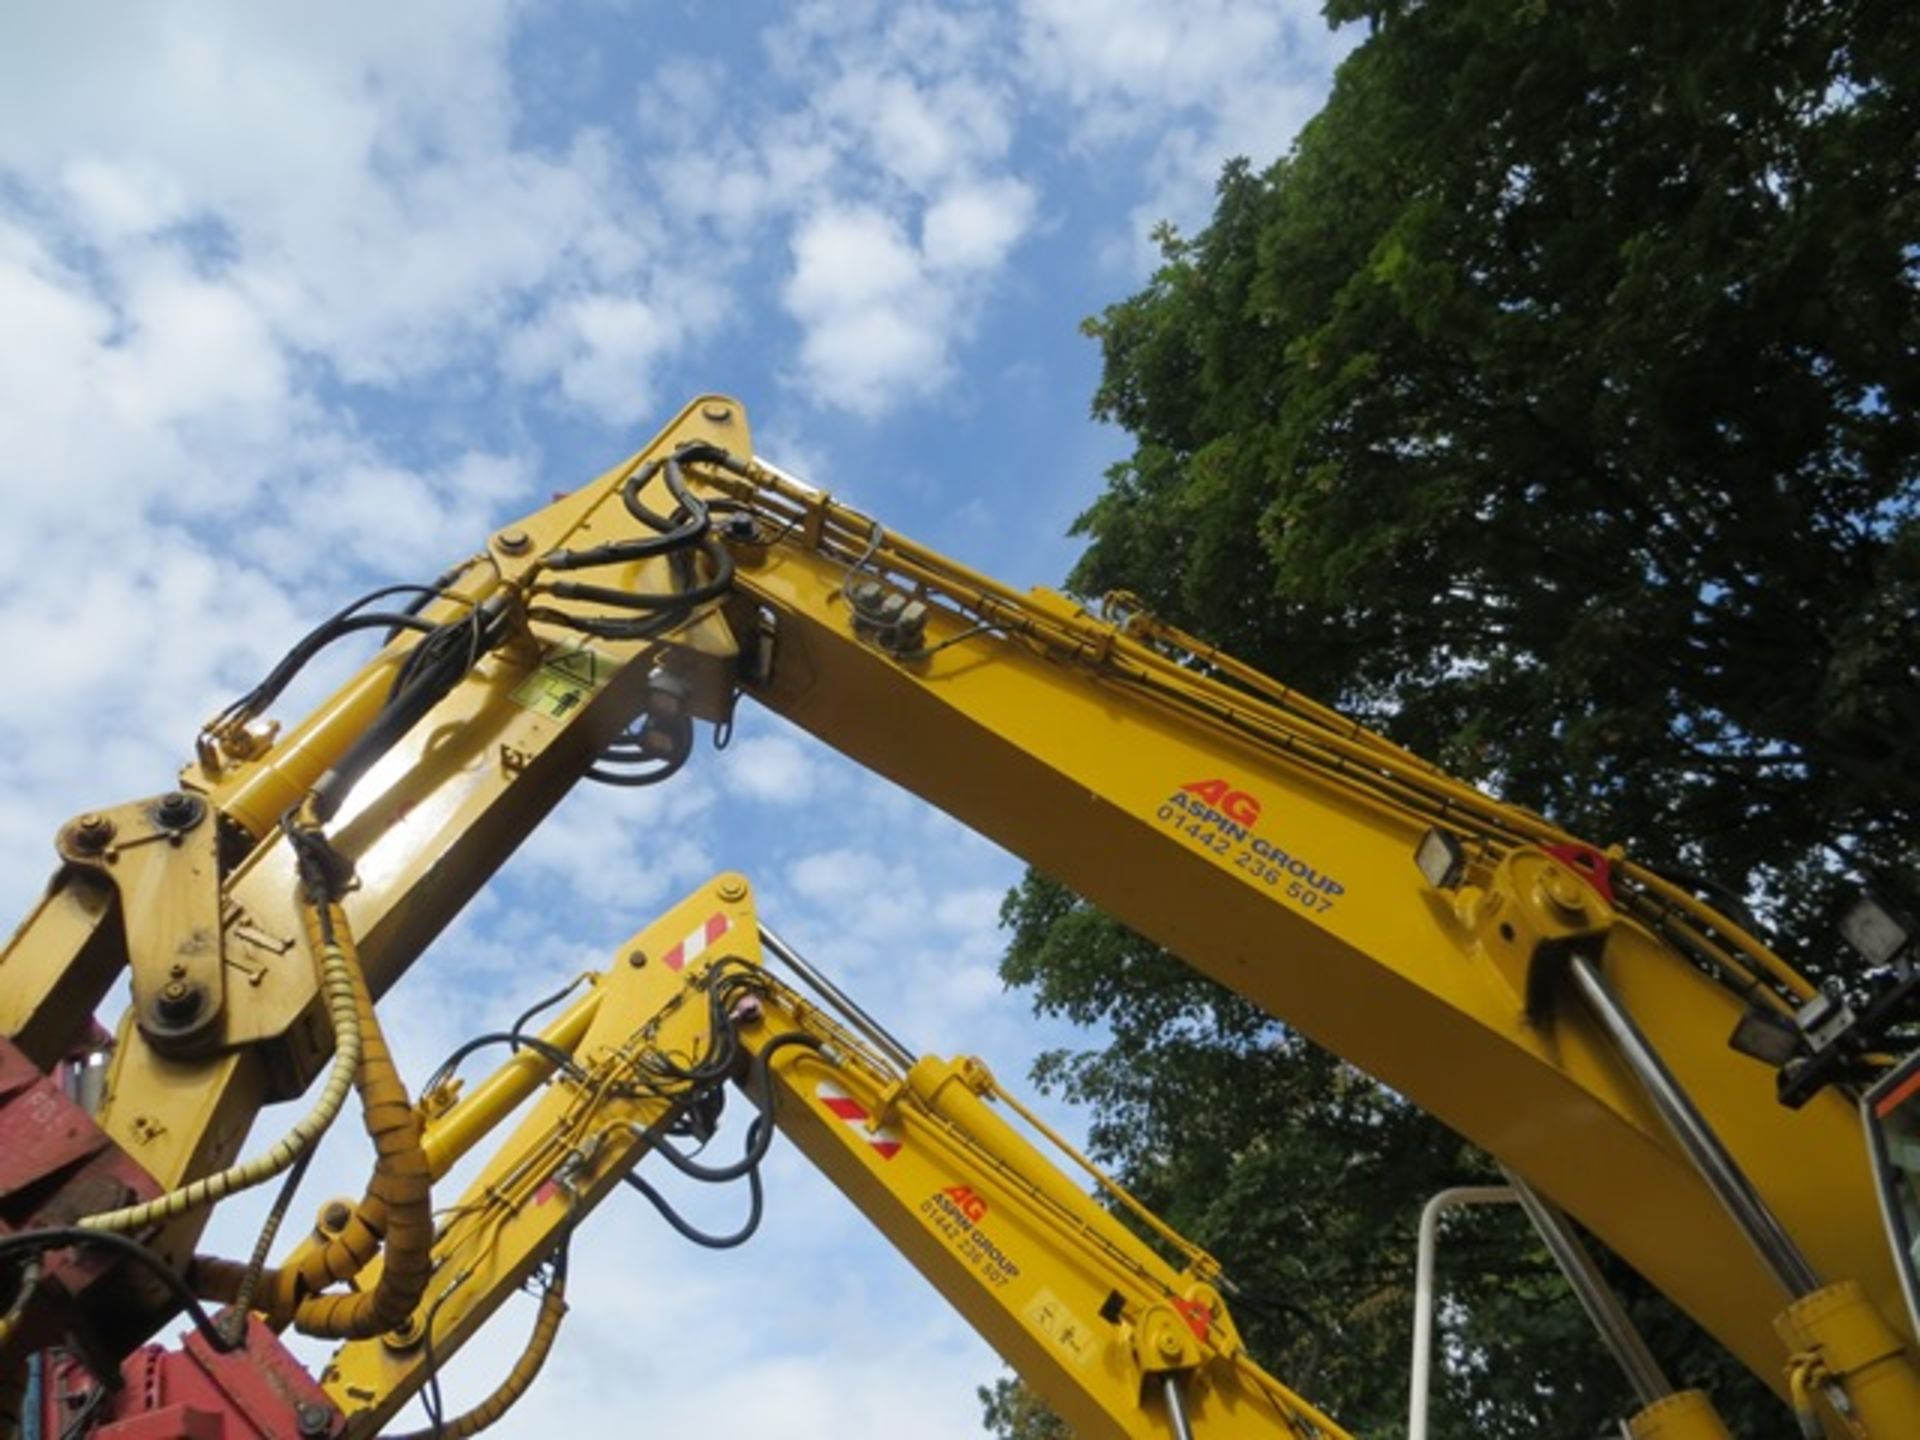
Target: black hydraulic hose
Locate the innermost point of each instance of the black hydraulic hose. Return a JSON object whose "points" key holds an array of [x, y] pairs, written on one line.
{"points": [[705, 452], [59, 1237], [645, 629], [759, 1133], [719, 584], [683, 528], [755, 1205], [514, 1040], [420, 692], [344, 621], [399, 715], [672, 533], [540, 1006]]}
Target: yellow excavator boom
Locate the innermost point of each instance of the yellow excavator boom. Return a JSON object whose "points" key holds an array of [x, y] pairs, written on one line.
{"points": [[1555, 1002]]}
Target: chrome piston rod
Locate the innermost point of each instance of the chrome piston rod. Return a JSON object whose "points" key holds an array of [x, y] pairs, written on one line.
{"points": [[1719, 1169], [839, 1000], [1177, 1409]]}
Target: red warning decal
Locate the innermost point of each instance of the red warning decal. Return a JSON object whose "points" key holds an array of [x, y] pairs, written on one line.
{"points": [[695, 945], [886, 1140]]}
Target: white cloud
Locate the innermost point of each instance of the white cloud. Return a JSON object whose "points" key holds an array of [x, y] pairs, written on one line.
{"points": [[771, 768], [619, 855], [191, 348], [602, 350], [880, 314], [974, 226], [352, 171], [892, 173], [838, 875], [1197, 84], [121, 201], [875, 323], [922, 132]]}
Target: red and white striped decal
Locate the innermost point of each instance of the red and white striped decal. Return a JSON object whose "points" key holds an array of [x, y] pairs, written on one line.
{"points": [[695, 945], [886, 1139]]}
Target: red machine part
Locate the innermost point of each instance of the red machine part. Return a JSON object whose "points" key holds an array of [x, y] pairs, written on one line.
{"points": [[258, 1391], [56, 1165], [1589, 864]]}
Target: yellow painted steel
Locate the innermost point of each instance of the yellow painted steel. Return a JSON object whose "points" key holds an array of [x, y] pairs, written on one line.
{"points": [[1684, 1415], [1847, 1356], [1272, 848], [424, 830], [458, 1126], [1091, 1316], [562, 1159], [1261, 837]]}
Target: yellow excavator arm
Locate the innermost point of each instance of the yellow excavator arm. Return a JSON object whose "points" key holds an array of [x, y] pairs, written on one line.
{"points": [[1557, 1003], [1119, 1341]]}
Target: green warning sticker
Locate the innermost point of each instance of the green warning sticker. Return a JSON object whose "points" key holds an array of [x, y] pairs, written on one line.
{"points": [[563, 682]]}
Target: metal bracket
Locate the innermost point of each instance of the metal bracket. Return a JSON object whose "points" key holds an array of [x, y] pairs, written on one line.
{"points": [[1536, 911], [162, 855]]}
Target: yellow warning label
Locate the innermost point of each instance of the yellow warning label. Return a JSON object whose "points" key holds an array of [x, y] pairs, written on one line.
{"points": [[563, 682], [1051, 1317]]}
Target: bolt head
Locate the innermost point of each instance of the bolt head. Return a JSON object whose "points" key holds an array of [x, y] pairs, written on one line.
{"points": [[1564, 891], [637, 959], [179, 1002], [717, 413], [512, 542], [313, 1420], [92, 832], [176, 810]]}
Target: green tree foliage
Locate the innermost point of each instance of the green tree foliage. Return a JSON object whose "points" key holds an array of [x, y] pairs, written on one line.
{"points": [[1553, 407]]}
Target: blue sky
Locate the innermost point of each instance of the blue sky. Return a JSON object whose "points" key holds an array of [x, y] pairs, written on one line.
{"points": [[301, 300]]}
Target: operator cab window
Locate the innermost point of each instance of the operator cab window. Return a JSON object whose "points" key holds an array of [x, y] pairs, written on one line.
{"points": [[1892, 1113]]}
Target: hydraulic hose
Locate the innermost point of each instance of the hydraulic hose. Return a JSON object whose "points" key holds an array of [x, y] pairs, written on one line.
{"points": [[546, 1325], [339, 983], [395, 1215]]}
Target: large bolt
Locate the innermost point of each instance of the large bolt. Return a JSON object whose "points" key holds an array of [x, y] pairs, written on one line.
{"points": [[92, 832], [313, 1420], [512, 542], [1564, 893], [179, 1002], [716, 412], [176, 810], [732, 892]]}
